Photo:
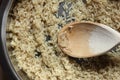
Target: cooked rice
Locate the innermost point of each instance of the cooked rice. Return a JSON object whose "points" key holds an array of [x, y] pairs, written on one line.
{"points": [[32, 39]]}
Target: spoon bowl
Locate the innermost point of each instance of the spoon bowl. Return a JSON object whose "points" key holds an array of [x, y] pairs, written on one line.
{"points": [[87, 39]]}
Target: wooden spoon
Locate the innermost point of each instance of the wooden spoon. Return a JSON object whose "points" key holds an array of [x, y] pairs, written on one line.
{"points": [[87, 39]]}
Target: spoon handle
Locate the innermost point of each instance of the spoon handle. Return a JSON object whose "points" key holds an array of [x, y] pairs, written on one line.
{"points": [[114, 48]]}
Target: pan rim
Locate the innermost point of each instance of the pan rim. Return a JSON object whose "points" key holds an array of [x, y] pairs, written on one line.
{"points": [[7, 64]]}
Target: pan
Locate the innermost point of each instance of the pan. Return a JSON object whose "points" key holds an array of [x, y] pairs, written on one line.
{"points": [[5, 6]]}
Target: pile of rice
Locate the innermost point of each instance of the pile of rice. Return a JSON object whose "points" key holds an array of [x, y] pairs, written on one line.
{"points": [[32, 39]]}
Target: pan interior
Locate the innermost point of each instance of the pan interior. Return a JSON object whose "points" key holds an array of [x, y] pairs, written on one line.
{"points": [[32, 30]]}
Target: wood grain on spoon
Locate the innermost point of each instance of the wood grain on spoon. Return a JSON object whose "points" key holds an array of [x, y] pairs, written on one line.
{"points": [[73, 39]]}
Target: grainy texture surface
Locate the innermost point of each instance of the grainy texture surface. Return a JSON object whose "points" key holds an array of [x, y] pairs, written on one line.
{"points": [[32, 40]]}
